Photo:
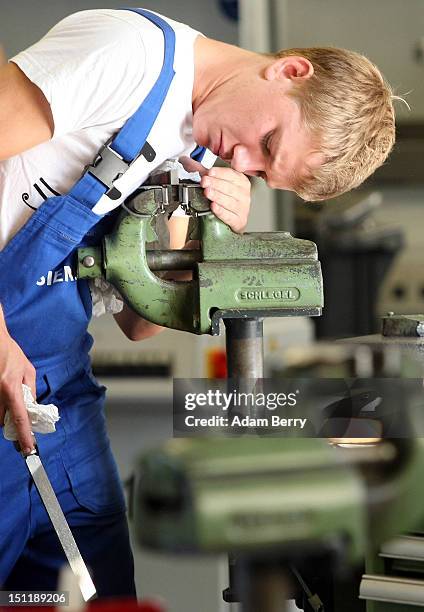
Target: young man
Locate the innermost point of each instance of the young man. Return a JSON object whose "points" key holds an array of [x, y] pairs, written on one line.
{"points": [[316, 121]]}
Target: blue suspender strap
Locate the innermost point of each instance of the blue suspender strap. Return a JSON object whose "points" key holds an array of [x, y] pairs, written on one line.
{"points": [[115, 157], [198, 153], [137, 128]]}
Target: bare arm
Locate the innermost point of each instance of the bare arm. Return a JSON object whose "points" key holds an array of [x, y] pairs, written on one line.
{"points": [[25, 115], [15, 369], [133, 326], [25, 121]]}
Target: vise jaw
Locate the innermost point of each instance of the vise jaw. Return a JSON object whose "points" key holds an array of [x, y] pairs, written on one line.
{"points": [[250, 275]]}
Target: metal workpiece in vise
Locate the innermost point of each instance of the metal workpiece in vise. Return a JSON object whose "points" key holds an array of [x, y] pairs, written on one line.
{"points": [[250, 275]]}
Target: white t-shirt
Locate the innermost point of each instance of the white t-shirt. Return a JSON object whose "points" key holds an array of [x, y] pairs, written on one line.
{"points": [[95, 68]]}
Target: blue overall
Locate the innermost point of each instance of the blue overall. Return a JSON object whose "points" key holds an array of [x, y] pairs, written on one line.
{"points": [[47, 312]]}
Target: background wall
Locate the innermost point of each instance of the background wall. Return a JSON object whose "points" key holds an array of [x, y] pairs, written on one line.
{"points": [[25, 21], [389, 32]]}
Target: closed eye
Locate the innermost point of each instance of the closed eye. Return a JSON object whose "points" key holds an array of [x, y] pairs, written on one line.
{"points": [[265, 143]]}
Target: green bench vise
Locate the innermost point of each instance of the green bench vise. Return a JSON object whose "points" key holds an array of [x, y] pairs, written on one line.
{"points": [[249, 275]]}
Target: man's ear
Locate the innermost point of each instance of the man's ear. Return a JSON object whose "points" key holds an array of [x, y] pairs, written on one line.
{"points": [[291, 67]]}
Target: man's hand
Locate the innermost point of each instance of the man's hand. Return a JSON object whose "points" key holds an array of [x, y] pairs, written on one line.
{"points": [[15, 369], [228, 190]]}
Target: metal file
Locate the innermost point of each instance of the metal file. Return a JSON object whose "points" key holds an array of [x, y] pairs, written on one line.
{"points": [[60, 524]]}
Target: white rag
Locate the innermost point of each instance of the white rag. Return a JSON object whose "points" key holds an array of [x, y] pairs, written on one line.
{"points": [[42, 417]]}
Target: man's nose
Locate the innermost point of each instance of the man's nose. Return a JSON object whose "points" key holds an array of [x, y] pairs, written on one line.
{"points": [[246, 160]]}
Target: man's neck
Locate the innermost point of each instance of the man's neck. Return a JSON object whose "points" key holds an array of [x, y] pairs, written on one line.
{"points": [[215, 63]]}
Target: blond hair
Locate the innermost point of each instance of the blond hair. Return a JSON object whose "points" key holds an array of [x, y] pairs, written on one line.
{"points": [[348, 108]]}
